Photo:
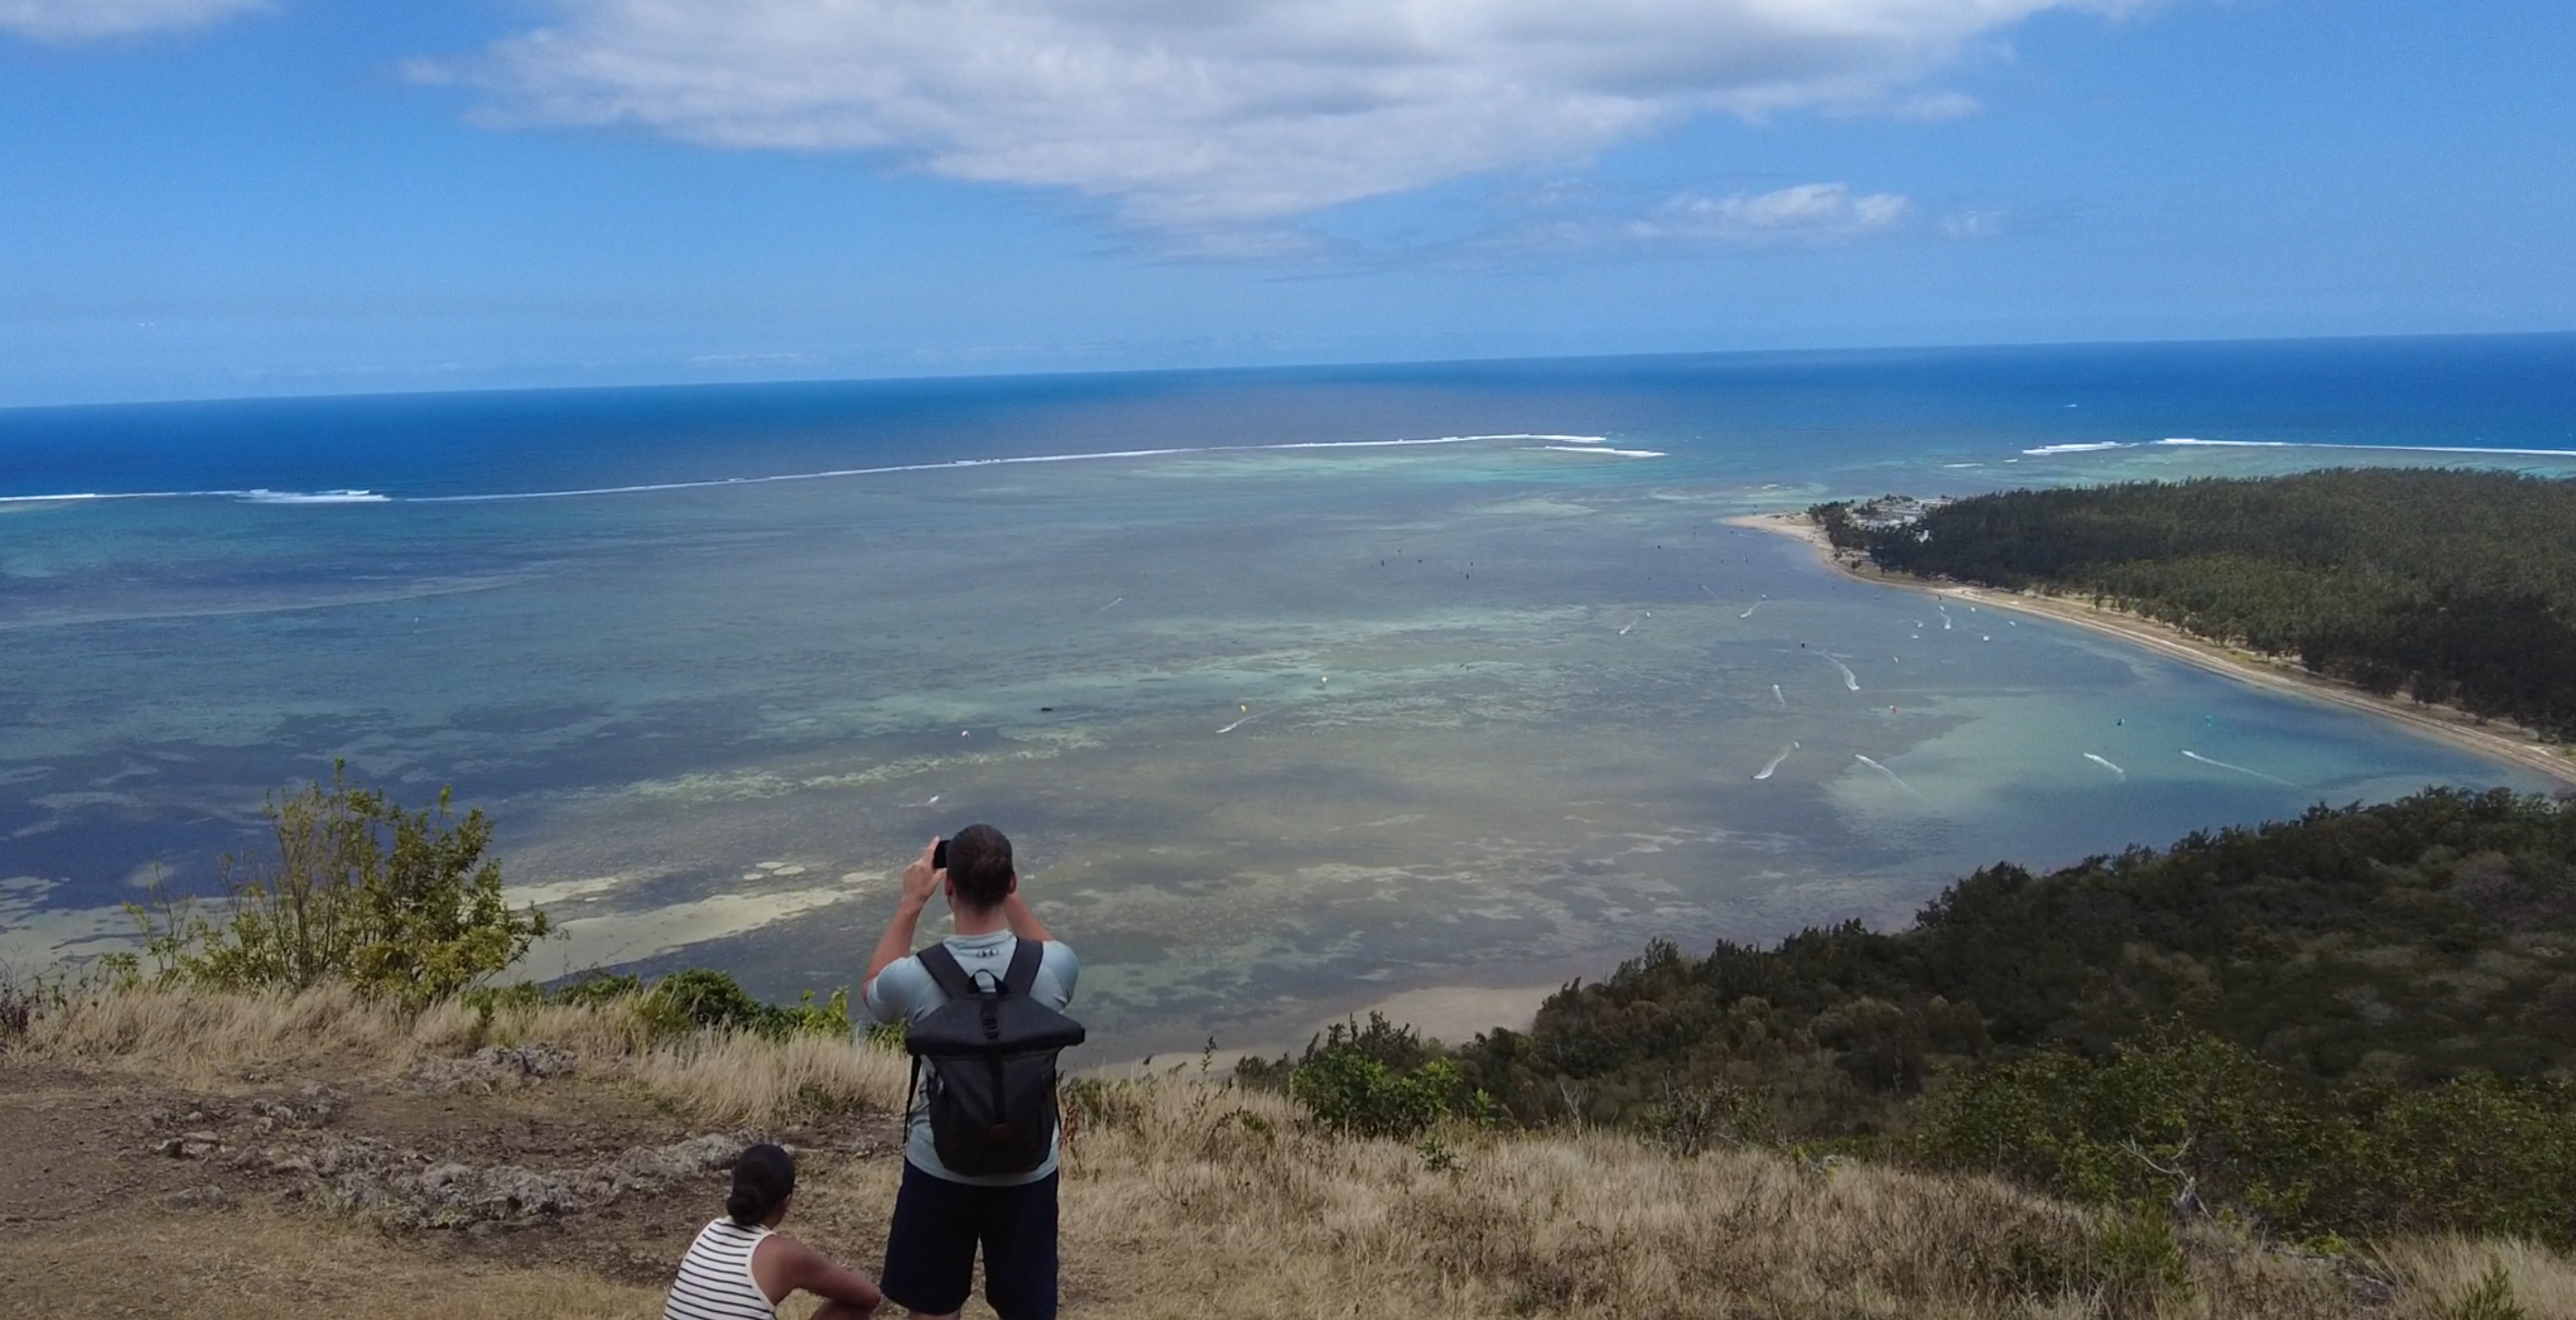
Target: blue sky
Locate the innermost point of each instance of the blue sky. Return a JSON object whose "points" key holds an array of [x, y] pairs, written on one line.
{"points": [[229, 197]]}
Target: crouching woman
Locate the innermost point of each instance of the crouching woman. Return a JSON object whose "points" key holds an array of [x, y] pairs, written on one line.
{"points": [[741, 1267]]}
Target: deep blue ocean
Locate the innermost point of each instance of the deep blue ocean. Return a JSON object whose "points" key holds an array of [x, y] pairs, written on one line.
{"points": [[1301, 690]]}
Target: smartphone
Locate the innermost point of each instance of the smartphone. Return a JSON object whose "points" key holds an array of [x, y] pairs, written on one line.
{"points": [[939, 856]]}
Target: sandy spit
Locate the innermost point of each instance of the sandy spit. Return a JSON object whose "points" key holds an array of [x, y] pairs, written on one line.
{"points": [[2492, 738]]}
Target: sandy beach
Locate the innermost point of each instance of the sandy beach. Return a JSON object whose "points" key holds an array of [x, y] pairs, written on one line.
{"points": [[2486, 737]]}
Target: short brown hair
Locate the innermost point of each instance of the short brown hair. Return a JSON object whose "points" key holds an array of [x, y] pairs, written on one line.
{"points": [[979, 865]]}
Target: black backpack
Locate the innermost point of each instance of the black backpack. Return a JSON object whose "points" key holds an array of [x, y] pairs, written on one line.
{"points": [[991, 1099]]}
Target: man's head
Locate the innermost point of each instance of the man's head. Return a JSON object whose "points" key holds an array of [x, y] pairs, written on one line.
{"points": [[979, 868]]}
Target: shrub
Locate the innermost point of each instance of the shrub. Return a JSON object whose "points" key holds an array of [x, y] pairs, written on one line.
{"points": [[1694, 1119], [703, 999], [2490, 1299], [2478, 1155], [1355, 1095], [2179, 1119], [20, 1003], [2185, 1121], [396, 903], [1394, 1044]]}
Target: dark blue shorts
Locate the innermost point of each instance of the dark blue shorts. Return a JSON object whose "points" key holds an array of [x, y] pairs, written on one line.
{"points": [[938, 1224]]}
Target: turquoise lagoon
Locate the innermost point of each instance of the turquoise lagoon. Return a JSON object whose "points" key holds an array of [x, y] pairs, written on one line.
{"points": [[1286, 717]]}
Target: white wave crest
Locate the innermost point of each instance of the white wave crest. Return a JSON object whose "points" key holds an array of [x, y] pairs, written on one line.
{"points": [[2394, 449]]}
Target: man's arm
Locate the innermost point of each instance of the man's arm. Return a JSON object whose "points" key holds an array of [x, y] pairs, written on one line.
{"points": [[919, 883], [1023, 922]]}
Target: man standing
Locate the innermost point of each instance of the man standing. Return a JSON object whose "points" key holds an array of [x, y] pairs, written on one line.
{"points": [[941, 1216]]}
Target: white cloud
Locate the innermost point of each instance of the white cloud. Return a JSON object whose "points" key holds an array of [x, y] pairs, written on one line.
{"points": [[1199, 114], [81, 20], [1807, 211]]}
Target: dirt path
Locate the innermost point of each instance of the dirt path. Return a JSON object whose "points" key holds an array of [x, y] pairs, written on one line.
{"points": [[2488, 738]]}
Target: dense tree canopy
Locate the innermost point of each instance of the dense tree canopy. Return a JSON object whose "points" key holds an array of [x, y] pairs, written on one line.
{"points": [[2358, 1020], [2405, 944]]}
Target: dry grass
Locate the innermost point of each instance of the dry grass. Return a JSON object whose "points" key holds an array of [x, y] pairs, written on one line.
{"points": [[1183, 1199], [1179, 1206], [210, 1040], [257, 1265], [2443, 1270]]}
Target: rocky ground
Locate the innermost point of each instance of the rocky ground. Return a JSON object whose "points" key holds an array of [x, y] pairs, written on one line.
{"points": [[504, 1158]]}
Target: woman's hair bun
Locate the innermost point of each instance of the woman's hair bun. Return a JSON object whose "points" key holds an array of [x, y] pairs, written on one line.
{"points": [[763, 1176]]}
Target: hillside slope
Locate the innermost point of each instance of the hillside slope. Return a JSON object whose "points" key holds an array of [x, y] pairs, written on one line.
{"points": [[235, 1155]]}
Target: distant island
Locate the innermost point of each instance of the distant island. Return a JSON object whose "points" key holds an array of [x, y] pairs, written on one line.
{"points": [[2443, 597]]}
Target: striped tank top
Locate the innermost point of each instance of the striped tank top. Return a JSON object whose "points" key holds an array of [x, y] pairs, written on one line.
{"points": [[714, 1282]]}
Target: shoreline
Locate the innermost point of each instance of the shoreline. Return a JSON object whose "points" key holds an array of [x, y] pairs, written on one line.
{"points": [[2491, 738]]}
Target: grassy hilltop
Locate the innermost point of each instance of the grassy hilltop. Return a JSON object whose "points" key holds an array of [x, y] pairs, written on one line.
{"points": [[2091, 1094]]}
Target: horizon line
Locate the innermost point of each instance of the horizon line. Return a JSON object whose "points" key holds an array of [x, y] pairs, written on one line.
{"points": [[10, 410]]}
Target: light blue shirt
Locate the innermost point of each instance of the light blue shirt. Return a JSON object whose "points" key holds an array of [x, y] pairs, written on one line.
{"points": [[903, 992]]}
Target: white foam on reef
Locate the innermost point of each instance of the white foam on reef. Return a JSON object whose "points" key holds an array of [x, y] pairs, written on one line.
{"points": [[2087, 448], [1589, 444], [1094, 457], [315, 497], [256, 495], [2395, 449]]}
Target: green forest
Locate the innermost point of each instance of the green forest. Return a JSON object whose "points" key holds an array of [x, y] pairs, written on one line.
{"points": [[2359, 1020], [2450, 586]]}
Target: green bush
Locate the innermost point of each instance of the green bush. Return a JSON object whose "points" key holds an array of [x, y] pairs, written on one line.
{"points": [[1396, 1045], [703, 999], [1355, 1095], [2477, 1155], [2177, 1119], [397, 903], [2185, 1120]]}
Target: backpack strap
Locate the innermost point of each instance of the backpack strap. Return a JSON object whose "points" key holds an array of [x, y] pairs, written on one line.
{"points": [[1022, 975], [946, 973]]}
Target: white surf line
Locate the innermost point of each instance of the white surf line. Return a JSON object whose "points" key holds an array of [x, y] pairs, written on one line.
{"points": [[1244, 721], [2088, 448], [2242, 770], [1774, 762], [1885, 771], [835, 474], [1850, 679], [1595, 449], [1108, 607], [2123, 774], [254, 495], [2394, 449]]}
